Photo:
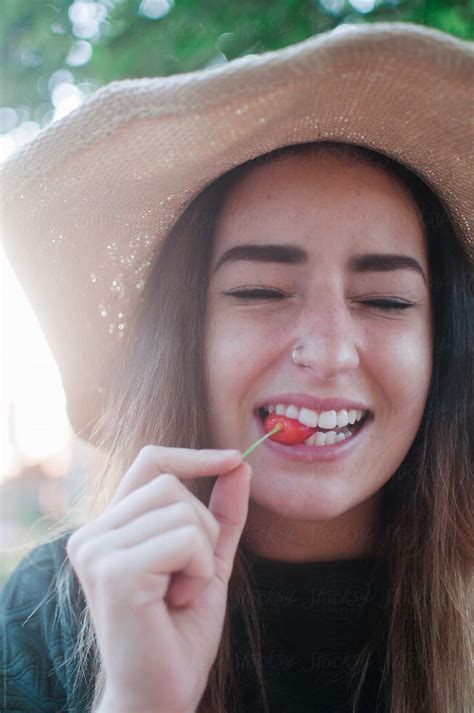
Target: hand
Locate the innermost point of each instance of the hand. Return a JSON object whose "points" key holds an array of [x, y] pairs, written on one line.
{"points": [[155, 568]]}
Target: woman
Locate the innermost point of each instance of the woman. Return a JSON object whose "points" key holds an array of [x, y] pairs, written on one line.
{"points": [[320, 280]]}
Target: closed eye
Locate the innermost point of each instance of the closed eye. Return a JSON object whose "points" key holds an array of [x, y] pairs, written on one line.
{"points": [[255, 294], [260, 293], [388, 304]]}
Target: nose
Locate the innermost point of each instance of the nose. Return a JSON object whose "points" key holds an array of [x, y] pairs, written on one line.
{"points": [[326, 334]]}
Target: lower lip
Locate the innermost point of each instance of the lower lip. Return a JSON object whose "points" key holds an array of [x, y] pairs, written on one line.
{"points": [[312, 454]]}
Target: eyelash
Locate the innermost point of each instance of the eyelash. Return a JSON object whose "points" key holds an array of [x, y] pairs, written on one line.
{"points": [[388, 305]]}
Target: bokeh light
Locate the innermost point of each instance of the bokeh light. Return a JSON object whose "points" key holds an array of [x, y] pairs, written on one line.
{"points": [[155, 9]]}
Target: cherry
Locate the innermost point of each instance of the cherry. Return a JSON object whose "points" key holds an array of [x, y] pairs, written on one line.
{"points": [[291, 431]]}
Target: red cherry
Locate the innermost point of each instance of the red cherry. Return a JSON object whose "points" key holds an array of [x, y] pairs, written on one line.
{"points": [[291, 432]]}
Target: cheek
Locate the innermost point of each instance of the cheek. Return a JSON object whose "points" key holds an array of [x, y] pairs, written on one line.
{"points": [[225, 386], [237, 353], [403, 364], [225, 364], [235, 343]]}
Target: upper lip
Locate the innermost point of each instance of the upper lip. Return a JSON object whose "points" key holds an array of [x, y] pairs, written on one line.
{"points": [[313, 402]]}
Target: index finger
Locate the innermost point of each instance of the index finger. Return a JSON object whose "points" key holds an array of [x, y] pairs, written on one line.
{"points": [[185, 463]]}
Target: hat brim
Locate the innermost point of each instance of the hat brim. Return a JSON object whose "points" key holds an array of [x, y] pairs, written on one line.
{"points": [[88, 203]]}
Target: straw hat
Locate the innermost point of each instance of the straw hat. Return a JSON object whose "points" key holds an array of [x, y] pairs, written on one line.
{"points": [[89, 201]]}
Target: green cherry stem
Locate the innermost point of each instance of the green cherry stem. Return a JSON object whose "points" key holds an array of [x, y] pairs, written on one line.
{"points": [[277, 428]]}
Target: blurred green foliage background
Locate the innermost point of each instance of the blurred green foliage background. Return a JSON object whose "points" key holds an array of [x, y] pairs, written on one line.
{"points": [[56, 53]]}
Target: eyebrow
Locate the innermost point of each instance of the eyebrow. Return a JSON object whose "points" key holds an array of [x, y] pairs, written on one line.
{"points": [[385, 262], [291, 255], [288, 254]]}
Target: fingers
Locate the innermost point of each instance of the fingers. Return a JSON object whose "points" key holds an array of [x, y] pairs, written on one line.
{"points": [[185, 462], [126, 573], [150, 504], [154, 523], [229, 505], [155, 527]]}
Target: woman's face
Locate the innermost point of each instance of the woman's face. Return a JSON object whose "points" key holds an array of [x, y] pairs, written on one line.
{"points": [[312, 223]]}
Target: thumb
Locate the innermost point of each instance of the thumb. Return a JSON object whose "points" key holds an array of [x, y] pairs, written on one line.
{"points": [[229, 504]]}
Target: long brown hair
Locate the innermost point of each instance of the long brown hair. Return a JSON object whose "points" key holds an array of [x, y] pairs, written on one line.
{"points": [[156, 395]]}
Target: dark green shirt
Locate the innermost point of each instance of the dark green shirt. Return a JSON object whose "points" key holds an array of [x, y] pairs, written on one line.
{"points": [[314, 618]]}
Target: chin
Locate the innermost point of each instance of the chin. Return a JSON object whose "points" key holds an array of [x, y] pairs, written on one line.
{"points": [[302, 505]]}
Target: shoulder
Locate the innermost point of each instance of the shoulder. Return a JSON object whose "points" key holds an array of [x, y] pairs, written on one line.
{"points": [[35, 572], [34, 638]]}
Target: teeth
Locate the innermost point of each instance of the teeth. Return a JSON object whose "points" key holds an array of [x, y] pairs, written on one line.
{"points": [[320, 438], [342, 418], [326, 439], [292, 412], [313, 419], [327, 419], [308, 418]]}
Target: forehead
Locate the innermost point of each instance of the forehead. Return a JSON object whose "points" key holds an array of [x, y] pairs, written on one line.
{"points": [[310, 199]]}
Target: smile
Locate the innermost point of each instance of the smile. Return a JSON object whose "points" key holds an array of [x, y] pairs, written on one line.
{"points": [[332, 426]]}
